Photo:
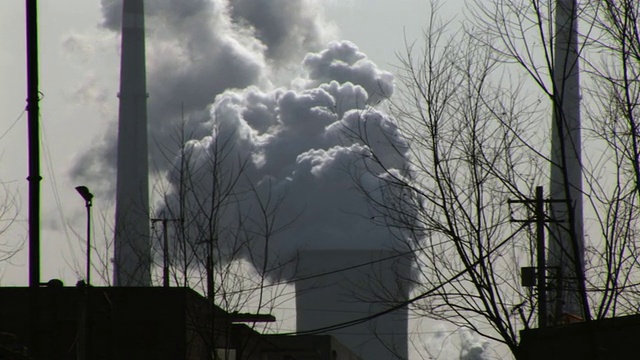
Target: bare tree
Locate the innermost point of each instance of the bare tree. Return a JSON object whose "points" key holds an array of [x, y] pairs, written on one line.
{"points": [[8, 216], [476, 108], [221, 221], [220, 227], [8, 249], [613, 66]]}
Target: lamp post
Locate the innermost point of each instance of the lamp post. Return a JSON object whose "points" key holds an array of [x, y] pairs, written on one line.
{"points": [[87, 196]]}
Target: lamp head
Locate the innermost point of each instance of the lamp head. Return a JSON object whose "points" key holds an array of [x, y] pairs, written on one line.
{"points": [[84, 192]]}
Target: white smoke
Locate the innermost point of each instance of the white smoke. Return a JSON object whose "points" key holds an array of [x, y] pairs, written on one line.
{"points": [[215, 75], [292, 145], [472, 347], [197, 49], [289, 28], [339, 63], [446, 343]]}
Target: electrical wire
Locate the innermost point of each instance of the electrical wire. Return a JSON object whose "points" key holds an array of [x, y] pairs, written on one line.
{"points": [[407, 302], [13, 124], [317, 275], [54, 185]]}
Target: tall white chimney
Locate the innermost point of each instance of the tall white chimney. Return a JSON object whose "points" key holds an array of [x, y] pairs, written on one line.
{"points": [[132, 247], [566, 252], [338, 286]]}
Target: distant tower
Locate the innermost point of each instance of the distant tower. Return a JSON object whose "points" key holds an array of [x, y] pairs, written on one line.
{"points": [[132, 248], [566, 256], [332, 289]]}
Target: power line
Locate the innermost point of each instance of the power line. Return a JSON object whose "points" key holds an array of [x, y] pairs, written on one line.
{"points": [[317, 275], [13, 124], [54, 182], [407, 302]]}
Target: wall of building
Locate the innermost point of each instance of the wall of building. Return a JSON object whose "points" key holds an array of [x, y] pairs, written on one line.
{"points": [[615, 338], [110, 323], [139, 323], [253, 346]]}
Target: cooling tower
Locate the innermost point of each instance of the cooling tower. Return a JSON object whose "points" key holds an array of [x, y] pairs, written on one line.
{"points": [[132, 248], [566, 239], [338, 286]]}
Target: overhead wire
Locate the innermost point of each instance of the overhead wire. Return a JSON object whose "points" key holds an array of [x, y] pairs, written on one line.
{"points": [[13, 124], [54, 186], [407, 302], [317, 275]]}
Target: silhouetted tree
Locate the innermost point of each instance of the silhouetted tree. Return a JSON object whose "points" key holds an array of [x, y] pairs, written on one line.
{"points": [[475, 107], [8, 217]]}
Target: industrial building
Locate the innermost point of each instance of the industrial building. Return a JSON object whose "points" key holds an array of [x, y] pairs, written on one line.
{"points": [[614, 338], [122, 323]]}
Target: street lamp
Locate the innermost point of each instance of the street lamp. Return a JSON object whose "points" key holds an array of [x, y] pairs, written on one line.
{"points": [[87, 196]]}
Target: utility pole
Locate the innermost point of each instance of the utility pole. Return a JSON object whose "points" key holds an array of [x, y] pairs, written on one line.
{"points": [[541, 266], [165, 248], [33, 98]]}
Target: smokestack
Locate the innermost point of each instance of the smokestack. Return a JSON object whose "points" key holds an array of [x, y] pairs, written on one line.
{"points": [[132, 248], [566, 243], [334, 289]]}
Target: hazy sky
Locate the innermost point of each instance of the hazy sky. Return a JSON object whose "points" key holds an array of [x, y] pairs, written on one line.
{"points": [[79, 70], [79, 67]]}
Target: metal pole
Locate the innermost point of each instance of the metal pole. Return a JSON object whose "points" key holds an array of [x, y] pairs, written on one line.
{"points": [[88, 204], [165, 250], [541, 261], [34, 143], [34, 175], [541, 265], [165, 266], [210, 284]]}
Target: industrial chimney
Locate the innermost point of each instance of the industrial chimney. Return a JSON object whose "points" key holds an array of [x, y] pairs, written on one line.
{"points": [[566, 243], [339, 286], [132, 248]]}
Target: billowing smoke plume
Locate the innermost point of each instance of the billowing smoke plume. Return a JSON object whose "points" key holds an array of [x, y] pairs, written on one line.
{"points": [[196, 49], [281, 166], [287, 27], [271, 143]]}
